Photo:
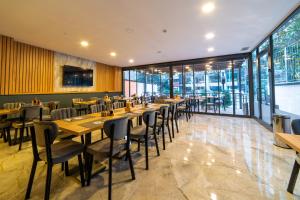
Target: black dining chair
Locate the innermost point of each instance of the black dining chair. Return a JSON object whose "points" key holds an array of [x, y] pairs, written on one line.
{"points": [[296, 130], [162, 123], [27, 115], [145, 132], [116, 130], [43, 136], [96, 109], [173, 118]]}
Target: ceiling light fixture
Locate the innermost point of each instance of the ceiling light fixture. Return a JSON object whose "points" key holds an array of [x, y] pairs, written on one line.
{"points": [[208, 7], [131, 61], [209, 36], [113, 54], [210, 49], [84, 43]]}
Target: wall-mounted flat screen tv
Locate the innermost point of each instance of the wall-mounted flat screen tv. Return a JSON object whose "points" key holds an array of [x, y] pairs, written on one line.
{"points": [[77, 76]]}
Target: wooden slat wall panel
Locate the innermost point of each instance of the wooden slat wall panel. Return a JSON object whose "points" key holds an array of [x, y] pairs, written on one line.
{"points": [[28, 69], [24, 68], [109, 78]]}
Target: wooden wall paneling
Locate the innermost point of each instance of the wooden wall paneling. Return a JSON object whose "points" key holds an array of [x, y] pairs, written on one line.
{"points": [[22, 67], [7, 65], [1, 64], [12, 81]]}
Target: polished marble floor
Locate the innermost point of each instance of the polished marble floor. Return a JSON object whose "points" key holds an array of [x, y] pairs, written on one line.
{"points": [[212, 157]]}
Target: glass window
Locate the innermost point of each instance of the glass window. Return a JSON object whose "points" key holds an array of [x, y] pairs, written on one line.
{"points": [[189, 80], [148, 82], [212, 88], [156, 82], [177, 81], [226, 88], [133, 85], [165, 81], [264, 46], [255, 84], [200, 91], [241, 87], [126, 83], [140, 79], [286, 59]]}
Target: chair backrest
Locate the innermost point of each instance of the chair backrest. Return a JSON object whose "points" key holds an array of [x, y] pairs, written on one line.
{"points": [[97, 108], [13, 106], [164, 110], [120, 128], [40, 127], [151, 115], [296, 126], [173, 110], [29, 113], [118, 105], [63, 113]]}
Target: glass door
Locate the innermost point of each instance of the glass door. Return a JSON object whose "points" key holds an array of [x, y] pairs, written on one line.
{"points": [[265, 89]]}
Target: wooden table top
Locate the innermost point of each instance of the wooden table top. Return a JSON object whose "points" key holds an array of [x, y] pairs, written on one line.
{"points": [[8, 111], [87, 123], [91, 102], [290, 139], [174, 100]]}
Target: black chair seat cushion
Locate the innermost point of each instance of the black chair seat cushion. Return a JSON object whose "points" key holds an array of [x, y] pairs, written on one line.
{"points": [[4, 124], [101, 149], [63, 151], [139, 132], [19, 124]]}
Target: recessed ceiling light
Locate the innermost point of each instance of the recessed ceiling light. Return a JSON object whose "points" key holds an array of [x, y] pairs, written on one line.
{"points": [[210, 49], [209, 36], [208, 7], [84, 43], [113, 54], [131, 61]]}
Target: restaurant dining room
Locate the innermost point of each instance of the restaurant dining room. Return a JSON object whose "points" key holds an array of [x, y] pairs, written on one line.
{"points": [[150, 100]]}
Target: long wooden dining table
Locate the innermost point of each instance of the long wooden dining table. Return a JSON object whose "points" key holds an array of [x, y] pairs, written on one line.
{"points": [[86, 124]]}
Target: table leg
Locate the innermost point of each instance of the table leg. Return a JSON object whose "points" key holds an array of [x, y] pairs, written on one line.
{"points": [[293, 177]]}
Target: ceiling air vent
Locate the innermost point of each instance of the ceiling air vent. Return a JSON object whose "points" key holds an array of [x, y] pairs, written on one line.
{"points": [[245, 49]]}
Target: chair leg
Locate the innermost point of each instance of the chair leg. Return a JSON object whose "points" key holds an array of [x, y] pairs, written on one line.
{"points": [[62, 166], [21, 138], [81, 170], [48, 181], [67, 168], [31, 178], [89, 167], [102, 133], [16, 136], [110, 179], [164, 139], [172, 126], [168, 126], [130, 164], [8, 136], [139, 144], [176, 123], [293, 177], [3, 134], [146, 153], [156, 144]]}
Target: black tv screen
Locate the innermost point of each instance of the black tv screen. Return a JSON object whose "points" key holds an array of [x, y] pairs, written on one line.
{"points": [[77, 77]]}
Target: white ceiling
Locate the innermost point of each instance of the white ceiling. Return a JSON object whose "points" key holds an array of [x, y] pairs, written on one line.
{"points": [[133, 28]]}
